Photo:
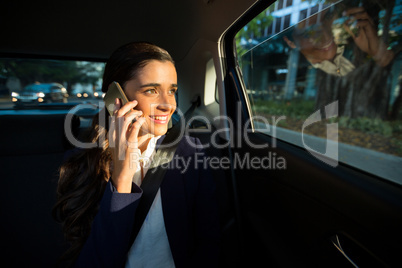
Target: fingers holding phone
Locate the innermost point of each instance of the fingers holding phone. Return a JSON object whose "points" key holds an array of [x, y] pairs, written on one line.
{"points": [[120, 107], [131, 120], [123, 142]]}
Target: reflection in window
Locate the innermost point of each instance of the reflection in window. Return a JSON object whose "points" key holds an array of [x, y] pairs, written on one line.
{"points": [[314, 10], [303, 15], [325, 58], [280, 4], [270, 30], [278, 22], [289, 3], [286, 23]]}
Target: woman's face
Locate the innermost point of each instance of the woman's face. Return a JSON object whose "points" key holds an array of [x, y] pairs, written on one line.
{"points": [[154, 88], [315, 39]]}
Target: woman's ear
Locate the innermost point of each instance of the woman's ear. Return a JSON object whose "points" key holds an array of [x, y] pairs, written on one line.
{"points": [[290, 43]]}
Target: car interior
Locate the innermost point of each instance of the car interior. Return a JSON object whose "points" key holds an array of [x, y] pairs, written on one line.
{"points": [[314, 177]]}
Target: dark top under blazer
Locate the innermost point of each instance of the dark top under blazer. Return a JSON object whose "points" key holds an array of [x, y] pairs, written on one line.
{"points": [[190, 214]]}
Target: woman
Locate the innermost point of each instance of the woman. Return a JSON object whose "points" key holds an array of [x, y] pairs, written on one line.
{"points": [[99, 189]]}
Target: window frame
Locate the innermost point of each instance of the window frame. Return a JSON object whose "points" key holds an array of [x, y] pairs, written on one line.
{"points": [[234, 81], [232, 70]]}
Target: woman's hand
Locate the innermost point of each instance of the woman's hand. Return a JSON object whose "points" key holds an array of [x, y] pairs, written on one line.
{"points": [[366, 37], [123, 143]]}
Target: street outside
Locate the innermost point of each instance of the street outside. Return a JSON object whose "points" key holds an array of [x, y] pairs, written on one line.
{"points": [[6, 103]]}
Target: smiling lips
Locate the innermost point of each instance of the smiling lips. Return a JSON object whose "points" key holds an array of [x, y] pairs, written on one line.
{"points": [[159, 119], [327, 46]]}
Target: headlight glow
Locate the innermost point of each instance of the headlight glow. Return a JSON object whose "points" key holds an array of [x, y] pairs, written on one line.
{"points": [[14, 94]]}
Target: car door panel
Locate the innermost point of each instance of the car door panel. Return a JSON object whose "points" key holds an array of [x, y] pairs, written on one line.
{"points": [[290, 217], [300, 208]]}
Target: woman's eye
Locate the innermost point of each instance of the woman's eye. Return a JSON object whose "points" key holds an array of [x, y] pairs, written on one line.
{"points": [[150, 91]]}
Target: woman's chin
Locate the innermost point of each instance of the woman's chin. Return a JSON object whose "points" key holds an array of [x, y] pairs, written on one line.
{"points": [[160, 132], [157, 130]]}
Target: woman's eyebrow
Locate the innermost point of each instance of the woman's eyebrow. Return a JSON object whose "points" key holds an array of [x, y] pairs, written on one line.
{"points": [[151, 85], [156, 85]]}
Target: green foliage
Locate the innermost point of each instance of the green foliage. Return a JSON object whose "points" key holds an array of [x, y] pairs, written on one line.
{"points": [[370, 125], [296, 108], [302, 109], [253, 30], [396, 126], [398, 145]]}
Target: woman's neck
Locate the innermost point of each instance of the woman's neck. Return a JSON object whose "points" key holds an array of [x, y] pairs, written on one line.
{"points": [[143, 141]]}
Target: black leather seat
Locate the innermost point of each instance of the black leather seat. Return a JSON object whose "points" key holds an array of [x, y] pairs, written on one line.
{"points": [[32, 149]]}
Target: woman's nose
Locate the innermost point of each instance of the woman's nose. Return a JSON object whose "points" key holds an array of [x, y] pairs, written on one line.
{"points": [[319, 37], [166, 102], [165, 107]]}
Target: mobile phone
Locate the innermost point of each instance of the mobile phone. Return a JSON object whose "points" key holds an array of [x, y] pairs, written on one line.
{"points": [[353, 26], [114, 91]]}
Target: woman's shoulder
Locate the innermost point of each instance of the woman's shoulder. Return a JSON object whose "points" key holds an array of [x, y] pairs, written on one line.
{"points": [[185, 144], [190, 145]]}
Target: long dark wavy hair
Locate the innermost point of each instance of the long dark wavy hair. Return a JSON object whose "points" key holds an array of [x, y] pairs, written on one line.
{"points": [[83, 176]]}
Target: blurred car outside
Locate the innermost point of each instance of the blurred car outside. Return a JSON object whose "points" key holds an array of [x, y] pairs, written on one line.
{"points": [[99, 94], [81, 92], [40, 93]]}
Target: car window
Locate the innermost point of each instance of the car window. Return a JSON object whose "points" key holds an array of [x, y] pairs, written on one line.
{"points": [[326, 76], [37, 83]]}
